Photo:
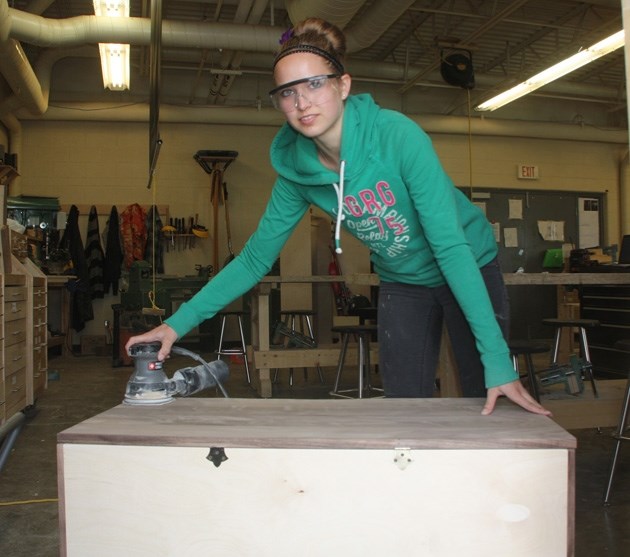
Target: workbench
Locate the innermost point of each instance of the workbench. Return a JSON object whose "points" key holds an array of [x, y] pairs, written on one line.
{"points": [[265, 358], [319, 478]]}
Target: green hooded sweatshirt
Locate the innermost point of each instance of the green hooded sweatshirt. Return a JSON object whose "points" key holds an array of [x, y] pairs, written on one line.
{"points": [[395, 197]]}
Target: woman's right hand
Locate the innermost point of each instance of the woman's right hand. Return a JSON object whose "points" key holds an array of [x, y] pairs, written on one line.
{"points": [[162, 333]]}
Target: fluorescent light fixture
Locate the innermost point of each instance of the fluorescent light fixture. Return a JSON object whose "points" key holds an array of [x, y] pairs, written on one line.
{"points": [[552, 73], [114, 57]]}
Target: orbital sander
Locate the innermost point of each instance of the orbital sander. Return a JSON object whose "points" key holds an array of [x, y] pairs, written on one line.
{"points": [[149, 384]]}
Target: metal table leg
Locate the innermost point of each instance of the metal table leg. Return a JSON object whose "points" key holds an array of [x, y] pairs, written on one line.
{"points": [[619, 436]]}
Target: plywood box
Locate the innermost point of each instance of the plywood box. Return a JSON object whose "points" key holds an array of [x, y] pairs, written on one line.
{"points": [[365, 478]]}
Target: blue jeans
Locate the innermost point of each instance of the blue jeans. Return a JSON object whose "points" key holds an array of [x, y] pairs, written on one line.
{"points": [[413, 316]]}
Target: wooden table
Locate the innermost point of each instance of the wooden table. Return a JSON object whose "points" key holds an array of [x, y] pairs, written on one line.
{"points": [[266, 359], [322, 478]]}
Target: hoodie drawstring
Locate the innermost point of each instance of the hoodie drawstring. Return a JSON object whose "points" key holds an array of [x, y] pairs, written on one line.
{"points": [[340, 215]]}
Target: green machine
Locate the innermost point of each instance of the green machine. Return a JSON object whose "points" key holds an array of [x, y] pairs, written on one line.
{"points": [[135, 313], [170, 290]]}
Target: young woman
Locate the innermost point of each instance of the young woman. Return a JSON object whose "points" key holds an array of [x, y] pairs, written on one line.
{"points": [[375, 172]]}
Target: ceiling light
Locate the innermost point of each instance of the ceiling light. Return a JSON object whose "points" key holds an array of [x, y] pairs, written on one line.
{"points": [[114, 57], [552, 73]]}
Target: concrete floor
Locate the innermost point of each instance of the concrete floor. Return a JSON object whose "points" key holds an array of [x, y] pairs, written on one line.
{"points": [[88, 385]]}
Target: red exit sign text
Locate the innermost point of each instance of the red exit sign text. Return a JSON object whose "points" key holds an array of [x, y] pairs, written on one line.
{"points": [[528, 171]]}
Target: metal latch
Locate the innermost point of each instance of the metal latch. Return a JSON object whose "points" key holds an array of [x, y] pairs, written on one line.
{"points": [[217, 456], [402, 457]]}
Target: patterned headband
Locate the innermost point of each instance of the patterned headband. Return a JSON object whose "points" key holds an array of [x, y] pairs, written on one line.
{"points": [[313, 50]]}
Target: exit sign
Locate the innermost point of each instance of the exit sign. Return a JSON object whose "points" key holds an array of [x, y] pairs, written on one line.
{"points": [[527, 172]]}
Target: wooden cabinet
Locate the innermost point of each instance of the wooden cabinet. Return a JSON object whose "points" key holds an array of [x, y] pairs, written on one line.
{"points": [[39, 363], [35, 343], [23, 327], [371, 477], [610, 304], [14, 325]]}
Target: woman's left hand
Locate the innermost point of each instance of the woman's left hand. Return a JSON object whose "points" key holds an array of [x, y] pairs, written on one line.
{"points": [[518, 394]]}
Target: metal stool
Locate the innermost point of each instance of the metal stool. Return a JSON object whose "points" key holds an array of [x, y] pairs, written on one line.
{"points": [[619, 435], [362, 333], [239, 350], [526, 348], [582, 325], [299, 321]]}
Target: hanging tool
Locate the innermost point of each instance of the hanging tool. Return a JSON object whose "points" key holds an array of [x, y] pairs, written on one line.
{"points": [[231, 255], [190, 231], [155, 77], [215, 163], [169, 232]]}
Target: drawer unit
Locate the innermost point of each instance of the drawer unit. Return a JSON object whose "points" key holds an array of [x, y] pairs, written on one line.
{"points": [[13, 310], [15, 386], [15, 331], [374, 477], [14, 358], [15, 293], [39, 371], [611, 306], [40, 336]]}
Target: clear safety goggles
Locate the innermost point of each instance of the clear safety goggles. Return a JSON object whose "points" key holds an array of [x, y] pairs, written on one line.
{"points": [[313, 90]]}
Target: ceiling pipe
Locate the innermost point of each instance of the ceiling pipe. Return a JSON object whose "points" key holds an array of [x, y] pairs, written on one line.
{"points": [[224, 84], [456, 125], [42, 74], [339, 12], [374, 22], [78, 31], [14, 132], [15, 68]]}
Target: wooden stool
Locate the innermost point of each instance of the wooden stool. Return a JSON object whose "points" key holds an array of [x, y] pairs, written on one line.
{"points": [[299, 321], [582, 325], [239, 350], [526, 348], [619, 435], [362, 333]]}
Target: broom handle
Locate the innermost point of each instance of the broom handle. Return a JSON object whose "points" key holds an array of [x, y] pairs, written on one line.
{"points": [[227, 218]]}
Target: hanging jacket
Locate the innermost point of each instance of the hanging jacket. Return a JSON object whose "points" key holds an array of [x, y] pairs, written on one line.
{"points": [[113, 253], [392, 194], [94, 255], [133, 230], [81, 299]]}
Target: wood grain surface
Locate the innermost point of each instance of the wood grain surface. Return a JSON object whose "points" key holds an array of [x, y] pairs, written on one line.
{"points": [[448, 423]]}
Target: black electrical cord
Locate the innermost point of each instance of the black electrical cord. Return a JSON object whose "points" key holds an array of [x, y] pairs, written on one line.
{"points": [[184, 352]]}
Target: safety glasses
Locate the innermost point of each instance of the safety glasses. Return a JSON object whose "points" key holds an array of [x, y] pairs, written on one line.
{"points": [[313, 90]]}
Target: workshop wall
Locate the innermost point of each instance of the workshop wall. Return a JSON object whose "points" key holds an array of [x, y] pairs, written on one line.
{"points": [[107, 162], [563, 166]]}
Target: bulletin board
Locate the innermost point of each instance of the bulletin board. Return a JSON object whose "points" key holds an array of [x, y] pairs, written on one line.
{"points": [[527, 224]]}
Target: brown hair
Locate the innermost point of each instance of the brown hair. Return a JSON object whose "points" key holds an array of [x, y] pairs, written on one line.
{"points": [[317, 36]]}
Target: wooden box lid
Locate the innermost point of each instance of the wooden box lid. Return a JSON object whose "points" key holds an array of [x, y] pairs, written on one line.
{"points": [[440, 423]]}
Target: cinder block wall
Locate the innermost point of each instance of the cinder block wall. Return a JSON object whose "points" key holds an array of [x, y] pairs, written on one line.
{"points": [[106, 163]]}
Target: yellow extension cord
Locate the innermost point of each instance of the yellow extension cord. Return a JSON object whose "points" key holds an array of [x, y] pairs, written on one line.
{"points": [[27, 502], [154, 309]]}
